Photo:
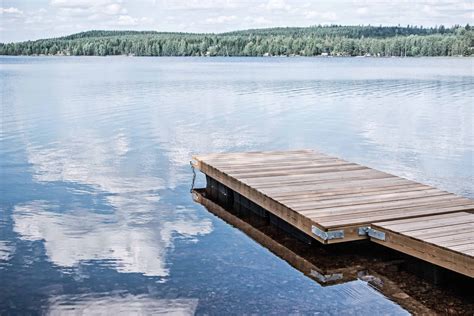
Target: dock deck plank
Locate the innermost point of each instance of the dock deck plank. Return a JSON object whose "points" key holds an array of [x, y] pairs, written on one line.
{"points": [[439, 239]]}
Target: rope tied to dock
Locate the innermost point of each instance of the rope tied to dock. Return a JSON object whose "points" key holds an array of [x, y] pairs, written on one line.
{"points": [[194, 176]]}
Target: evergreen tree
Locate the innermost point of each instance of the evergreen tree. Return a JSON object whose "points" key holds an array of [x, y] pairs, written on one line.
{"points": [[308, 41]]}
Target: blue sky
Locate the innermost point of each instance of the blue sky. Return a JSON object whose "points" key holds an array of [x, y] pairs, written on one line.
{"points": [[33, 19]]}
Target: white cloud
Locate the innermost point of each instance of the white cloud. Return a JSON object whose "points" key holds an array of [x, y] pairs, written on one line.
{"points": [[431, 11], [221, 19], [311, 14], [11, 11], [113, 9], [276, 5], [327, 16], [130, 235], [37, 18], [119, 304], [199, 4], [71, 12], [69, 16], [74, 235], [95, 9], [6, 250], [136, 235], [260, 20], [83, 4], [127, 20], [330, 16], [362, 11], [146, 21]]}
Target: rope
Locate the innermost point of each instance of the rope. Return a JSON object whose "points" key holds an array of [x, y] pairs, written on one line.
{"points": [[194, 177]]}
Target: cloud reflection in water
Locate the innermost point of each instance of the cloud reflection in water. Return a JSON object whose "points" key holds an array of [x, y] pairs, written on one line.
{"points": [[138, 232], [118, 304], [6, 251]]}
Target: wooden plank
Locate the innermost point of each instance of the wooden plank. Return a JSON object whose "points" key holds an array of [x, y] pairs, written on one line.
{"points": [[324, 183], [281, 180], [258, 165], [332, 194], [452, 243], [455, 238], [440, 231], [259, 159], [275, 165], [463, 248], [265, 154], [429, 201], [344, 210], [364, 200], [394, 214], [283, 172], [265, 167], [262, 155], [314, 182], [451, 251], [338, 188], [313, 178], [349, 185], [424, 222]]}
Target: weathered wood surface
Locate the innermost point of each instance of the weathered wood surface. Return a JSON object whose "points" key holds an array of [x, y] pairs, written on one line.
{"points": [[445, 240], [311, 189]]}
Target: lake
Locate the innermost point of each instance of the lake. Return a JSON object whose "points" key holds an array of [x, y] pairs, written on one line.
{"points": [[95, 208]]}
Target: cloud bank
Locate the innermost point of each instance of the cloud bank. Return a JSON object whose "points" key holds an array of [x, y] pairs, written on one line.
{"points": [[25, 20]]}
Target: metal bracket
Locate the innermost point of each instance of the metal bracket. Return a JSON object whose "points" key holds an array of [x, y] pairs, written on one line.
{"points": [[325, 278], [334, 234], [377, 234], [363, 231], [369, 231]]}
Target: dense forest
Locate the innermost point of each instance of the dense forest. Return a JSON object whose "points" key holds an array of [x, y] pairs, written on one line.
{"points": [[292, 41]]}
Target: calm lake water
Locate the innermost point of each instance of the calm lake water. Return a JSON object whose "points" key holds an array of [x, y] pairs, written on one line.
{"points": [[95, 209]]}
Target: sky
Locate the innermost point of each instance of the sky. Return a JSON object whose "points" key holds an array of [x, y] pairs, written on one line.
{"points": [[32, 19]]}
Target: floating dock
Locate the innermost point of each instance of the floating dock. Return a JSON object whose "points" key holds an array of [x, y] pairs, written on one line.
{"points": [[333, 200]]}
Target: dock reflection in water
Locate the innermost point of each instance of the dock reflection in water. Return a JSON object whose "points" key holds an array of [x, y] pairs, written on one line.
{"points": [[340, 263]]}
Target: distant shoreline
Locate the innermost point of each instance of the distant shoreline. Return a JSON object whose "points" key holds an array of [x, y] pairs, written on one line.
{"points": [[323, 41], [259, 57]]}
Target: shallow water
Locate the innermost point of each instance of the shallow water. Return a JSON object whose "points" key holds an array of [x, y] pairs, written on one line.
{"points": [[95, 209]]}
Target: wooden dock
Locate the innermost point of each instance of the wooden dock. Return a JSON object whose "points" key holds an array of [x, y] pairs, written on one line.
{"points": [[333, 200]]}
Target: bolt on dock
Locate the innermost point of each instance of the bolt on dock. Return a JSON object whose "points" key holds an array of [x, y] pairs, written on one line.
{"points": [[332, 201]]}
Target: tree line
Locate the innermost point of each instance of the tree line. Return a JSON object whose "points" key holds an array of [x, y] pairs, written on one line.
{"points": [[304, 41]]}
